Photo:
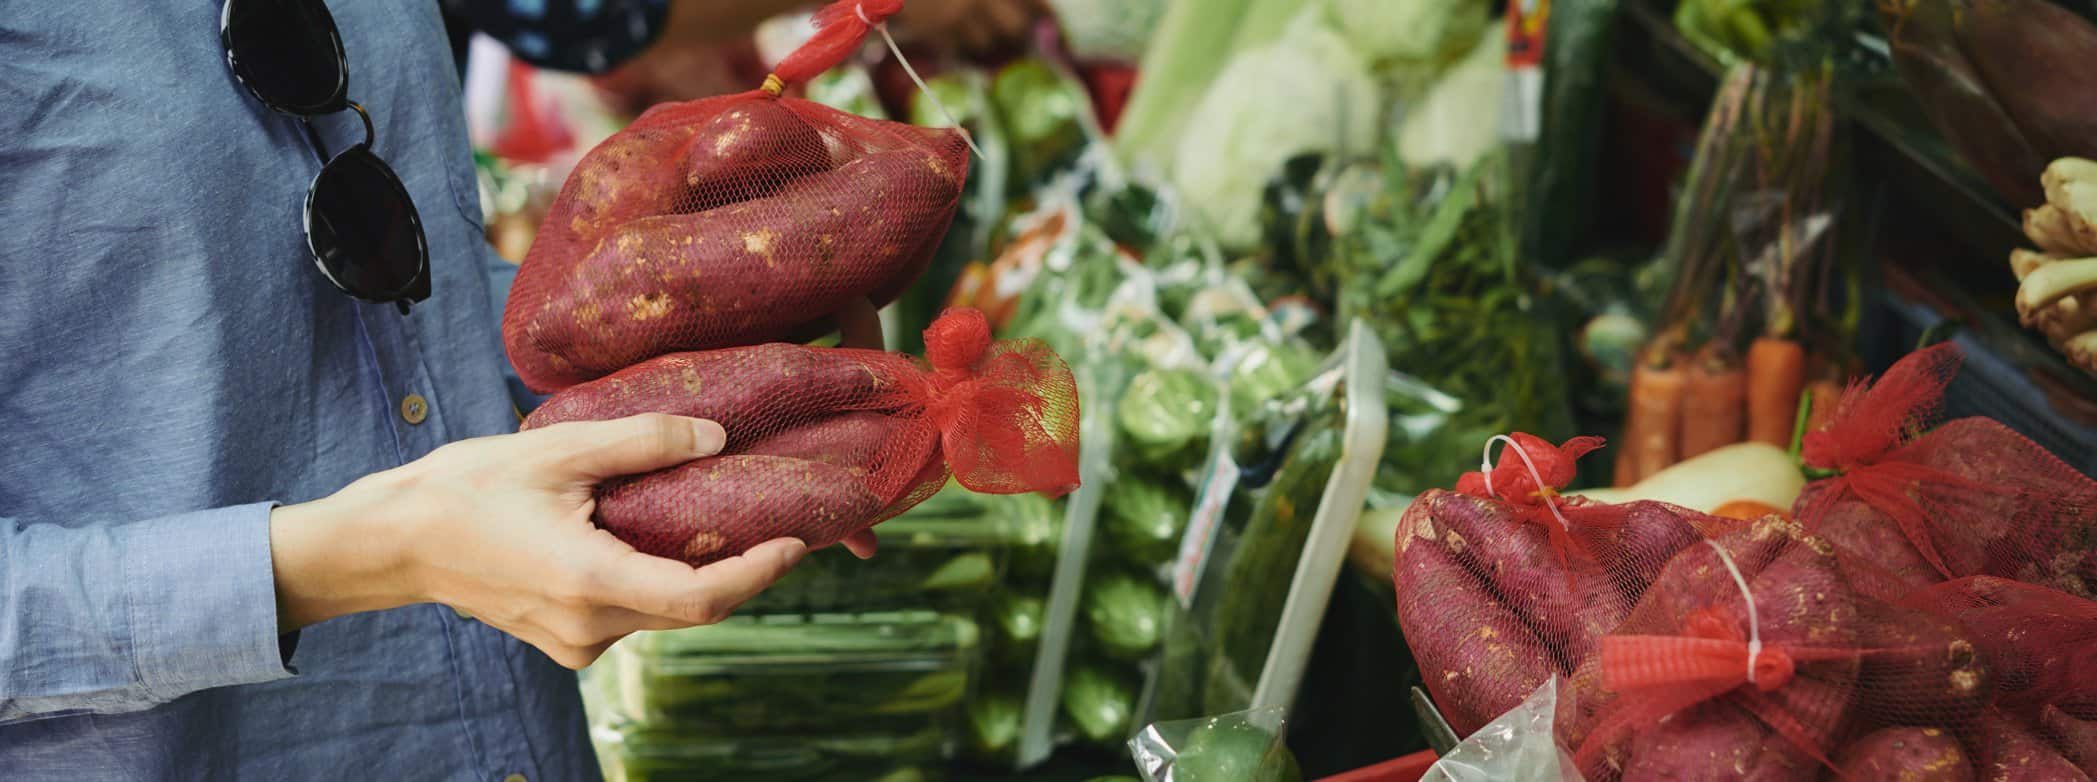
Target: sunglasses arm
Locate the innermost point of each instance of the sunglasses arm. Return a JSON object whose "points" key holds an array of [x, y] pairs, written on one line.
{"points": [[313, 140]]}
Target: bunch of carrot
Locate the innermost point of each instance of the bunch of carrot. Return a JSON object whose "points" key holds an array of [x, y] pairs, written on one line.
{"points": [[1751, 264]]}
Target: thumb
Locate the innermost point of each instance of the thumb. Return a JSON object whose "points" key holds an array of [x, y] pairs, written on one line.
{"points": [[597, 450]]}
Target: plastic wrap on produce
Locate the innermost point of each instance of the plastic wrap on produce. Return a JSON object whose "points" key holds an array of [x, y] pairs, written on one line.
{"points": [[1519, 746], [1244, 746]]}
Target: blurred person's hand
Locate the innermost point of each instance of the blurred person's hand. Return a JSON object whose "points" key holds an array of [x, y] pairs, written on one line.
{"points": [[973, 26]]}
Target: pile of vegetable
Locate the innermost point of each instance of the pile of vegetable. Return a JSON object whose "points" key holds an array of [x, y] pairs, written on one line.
{"points": [[1203, 389], [2057, 284], [1751, 321], [1934, 573]]}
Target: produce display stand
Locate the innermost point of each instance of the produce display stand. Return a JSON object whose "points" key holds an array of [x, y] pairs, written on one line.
{"points": [[1944, 267]]}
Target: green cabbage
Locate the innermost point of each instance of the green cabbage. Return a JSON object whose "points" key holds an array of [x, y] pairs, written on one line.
{"points": [[1305, 92], [1458, 121]]}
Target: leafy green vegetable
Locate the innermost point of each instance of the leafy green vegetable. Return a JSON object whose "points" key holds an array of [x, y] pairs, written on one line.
{"points": [[1457, 311], [1125, 614]]}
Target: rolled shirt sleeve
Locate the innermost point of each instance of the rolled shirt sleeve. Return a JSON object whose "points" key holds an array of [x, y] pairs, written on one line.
{"points": [[123, 617]]}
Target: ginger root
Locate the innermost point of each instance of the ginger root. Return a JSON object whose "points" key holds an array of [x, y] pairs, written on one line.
{"points": [[2057, 286]]}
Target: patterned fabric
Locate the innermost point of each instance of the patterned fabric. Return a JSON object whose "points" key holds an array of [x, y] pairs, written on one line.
{"points": [[584, 36]]}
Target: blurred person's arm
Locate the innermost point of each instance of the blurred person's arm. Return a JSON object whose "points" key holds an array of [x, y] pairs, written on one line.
{"points": [[593, 37]]}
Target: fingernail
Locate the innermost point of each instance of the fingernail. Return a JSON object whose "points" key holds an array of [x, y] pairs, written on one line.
{"points": [[792, 552], [710, 436]]}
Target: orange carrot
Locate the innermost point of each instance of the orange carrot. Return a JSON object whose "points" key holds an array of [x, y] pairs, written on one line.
{"points": [[1826, 394], [1651, 421], [1776, 372], [1713, 397], [1748, 510]]}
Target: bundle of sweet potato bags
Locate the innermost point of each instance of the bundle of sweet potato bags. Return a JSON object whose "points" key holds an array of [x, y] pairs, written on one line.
{"points": [[684, 262], [1924, 612]]}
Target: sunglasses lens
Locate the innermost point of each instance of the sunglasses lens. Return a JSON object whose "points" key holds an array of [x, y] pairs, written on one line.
{"points": [[287, 52], [364, 231]]}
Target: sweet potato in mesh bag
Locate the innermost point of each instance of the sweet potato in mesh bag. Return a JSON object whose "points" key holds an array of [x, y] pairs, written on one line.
{"points": [[2042, 645], [729, 221], [1740, 662], [1502, 583], [1909, 504], [824, 442]]}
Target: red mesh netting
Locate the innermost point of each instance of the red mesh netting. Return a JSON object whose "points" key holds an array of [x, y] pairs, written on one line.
{"points": [[1918, 506], [728, 221], [824, 442], [1503, 583], [2042, 646], [1741, 661]]}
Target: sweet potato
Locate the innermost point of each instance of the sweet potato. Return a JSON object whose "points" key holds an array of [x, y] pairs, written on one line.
{"points": [[752, 392], [1880, 560], [1919, 669], [1907, 755], [2016, 517], [1475, 657], [718, 507], [2005, 750], [1519, 567], [747, 151], [2075, 737], [747, 273], [1714, 741], [847, 440], [628, 174], [1647, 535]]}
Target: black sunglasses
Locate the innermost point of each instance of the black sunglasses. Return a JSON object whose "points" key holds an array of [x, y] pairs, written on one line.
{"points": [[360, 223]]}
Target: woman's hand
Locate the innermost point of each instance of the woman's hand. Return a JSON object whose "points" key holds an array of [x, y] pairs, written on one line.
{"points": [[500, 527]]}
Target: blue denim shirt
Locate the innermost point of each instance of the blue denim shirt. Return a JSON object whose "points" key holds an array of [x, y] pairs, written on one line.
{"points": [[173, 364]]}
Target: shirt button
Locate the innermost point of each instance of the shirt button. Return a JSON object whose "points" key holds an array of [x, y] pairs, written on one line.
{"points": [[513, 778], [414, 408]]}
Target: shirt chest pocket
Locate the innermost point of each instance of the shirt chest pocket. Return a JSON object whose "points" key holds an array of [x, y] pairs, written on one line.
{"points": [[403, 72]]}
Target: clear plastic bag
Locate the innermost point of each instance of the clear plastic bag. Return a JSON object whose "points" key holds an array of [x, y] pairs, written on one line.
{"points": [[1517, 747], [1243, 746]]}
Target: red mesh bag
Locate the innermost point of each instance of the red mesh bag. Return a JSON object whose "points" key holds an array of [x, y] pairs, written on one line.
{"points": [[1918, 505], [1740, 662], [824, 442], [1503, 583], [2042, 645], [728, 221]]}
